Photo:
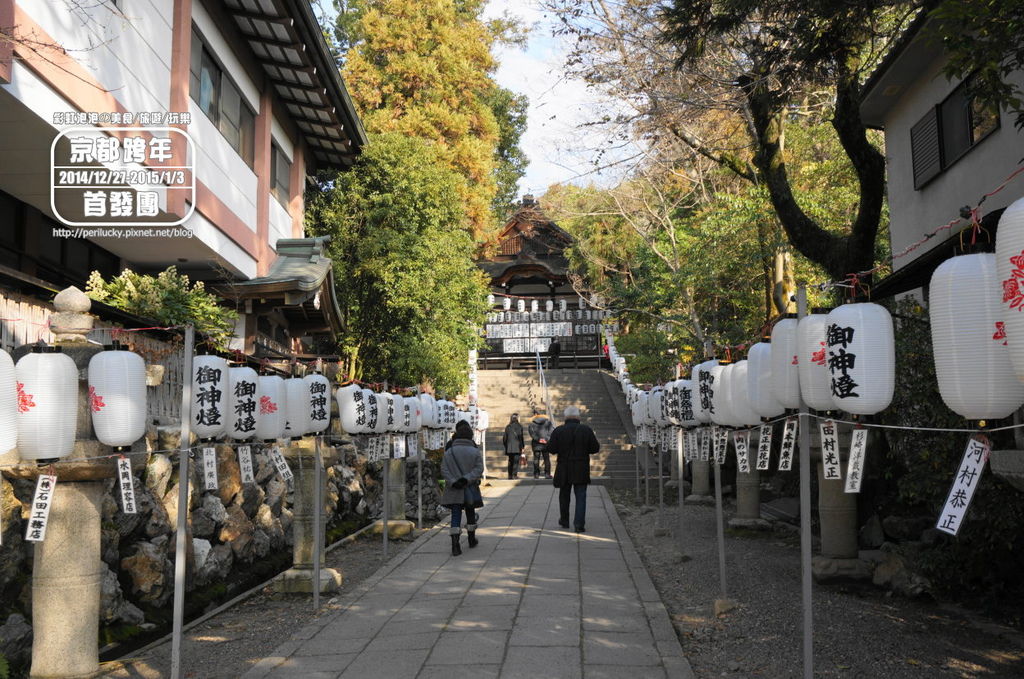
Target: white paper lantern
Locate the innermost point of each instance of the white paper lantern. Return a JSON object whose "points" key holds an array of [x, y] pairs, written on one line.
{"points": [[759, 381], [972, 358], [703, 388], [243, 410], [415, 409], [687, 400], [785, 363], [739, 392], [428, 411], [297, 394], [376, 412], [490, 300], [47, 389], [318, 393], [117, 397], [483, 422], [638, 409], [562, 306], [861, 357], [654, 406], [815, 381], [506, 303], [721, 413], [351, 408], [391, 412], [209, 396], [1010, 268], [273, 407], [520, 305], [8, 404]]}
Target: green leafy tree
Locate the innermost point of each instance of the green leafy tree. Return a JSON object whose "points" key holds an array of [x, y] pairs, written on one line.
{"points": [[423, 68], [412, 300], [509, 110], [169, 298]]}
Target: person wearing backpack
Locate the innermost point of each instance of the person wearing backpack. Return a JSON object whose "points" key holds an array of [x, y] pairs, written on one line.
{"points": [[572, 444], [462, 467], [512, 442], [540, 431]]}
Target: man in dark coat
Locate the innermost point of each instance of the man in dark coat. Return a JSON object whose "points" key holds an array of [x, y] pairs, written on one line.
{"points": [[554, 351], [572, 443], [513, 443]]}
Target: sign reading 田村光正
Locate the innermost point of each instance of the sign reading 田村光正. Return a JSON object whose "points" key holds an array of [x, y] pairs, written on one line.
{"points": [[122, 176]]}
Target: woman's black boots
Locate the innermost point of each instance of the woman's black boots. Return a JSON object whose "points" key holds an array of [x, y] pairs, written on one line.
{"points": [[456, 548], [471, 533]]}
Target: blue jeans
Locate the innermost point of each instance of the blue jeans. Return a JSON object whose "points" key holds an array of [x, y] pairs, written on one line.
{"points": [[457, 517], [580, 515]]}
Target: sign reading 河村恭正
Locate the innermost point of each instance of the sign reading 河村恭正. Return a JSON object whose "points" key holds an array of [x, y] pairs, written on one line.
{"points": [[127, 485], [829, 450], [764, 447], [972, 466], [741, 442], [210, 468], [281, 464], [855, 467], [46, 486], [398, 447], [788, 445], [705, 444], [721, 444], [245, 464]]}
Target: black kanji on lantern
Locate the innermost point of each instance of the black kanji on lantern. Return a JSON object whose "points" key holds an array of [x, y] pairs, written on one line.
{"points": [[841, 361]]}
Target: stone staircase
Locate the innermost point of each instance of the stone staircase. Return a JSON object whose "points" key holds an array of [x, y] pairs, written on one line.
{"points": [[603, 408]]}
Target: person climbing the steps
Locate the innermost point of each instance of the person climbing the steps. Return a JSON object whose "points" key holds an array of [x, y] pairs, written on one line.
{"points": [[512, 442], [462, 466], [554, 351], [573, 443], [540, 431]]}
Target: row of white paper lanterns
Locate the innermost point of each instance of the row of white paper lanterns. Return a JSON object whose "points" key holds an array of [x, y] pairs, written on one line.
{"points": [[549, 304], [39, 403], [855, 373]]}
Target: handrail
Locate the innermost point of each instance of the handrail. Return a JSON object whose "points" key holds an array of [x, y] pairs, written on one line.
{"points": [[543, 382]]}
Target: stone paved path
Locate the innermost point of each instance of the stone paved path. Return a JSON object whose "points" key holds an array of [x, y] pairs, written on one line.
{"points": [[532, 600]]}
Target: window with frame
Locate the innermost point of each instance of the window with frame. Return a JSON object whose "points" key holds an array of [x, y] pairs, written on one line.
{"points": [[948, 131], [220, 99], [280, 175]]}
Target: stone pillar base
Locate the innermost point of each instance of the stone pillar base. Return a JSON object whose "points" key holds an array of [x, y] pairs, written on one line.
{"points": [[827, 570], [396, 528], [300, 581], [750, 524], [708, 500]]}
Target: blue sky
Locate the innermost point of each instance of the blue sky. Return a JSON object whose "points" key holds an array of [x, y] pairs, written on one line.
{"points": [[558, 149]]}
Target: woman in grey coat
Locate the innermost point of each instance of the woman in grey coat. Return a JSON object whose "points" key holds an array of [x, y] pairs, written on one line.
{"points": [[462, 467]]}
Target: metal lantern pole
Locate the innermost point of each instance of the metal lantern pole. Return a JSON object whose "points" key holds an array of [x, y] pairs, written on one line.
{"points": [[183, 479], [805, 514], [384, 471], [636, 471], [419, 484], [318, 508], [720, 528], [682, 472]]}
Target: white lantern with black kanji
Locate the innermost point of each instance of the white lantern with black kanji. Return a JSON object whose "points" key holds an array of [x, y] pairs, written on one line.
{"points": [[490, 300], [721, 413], [972, 357], [351, 408], [739, 393], [242, 410], [785, 363], [686, 415], [8, 404], [273, 407], [521, 305], [47, 390], [815, 381], [117, 397], [861, 356], [506, 303], [415, 410], [654, 402], [1010, 269], [376, 416], [759, 381], [392, 412], [638, 409], [209, 396], [297, 394], [318, 390], [703, 388], [562, 306]]}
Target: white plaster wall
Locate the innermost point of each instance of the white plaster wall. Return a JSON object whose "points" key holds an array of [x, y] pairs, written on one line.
{"points": [[223, 247], [281, 139], [916, 212], [130, 55], [280, 222]]}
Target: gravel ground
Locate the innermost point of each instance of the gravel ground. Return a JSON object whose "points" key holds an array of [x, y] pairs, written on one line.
{"points": [[227, 645], [859, 631]]}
